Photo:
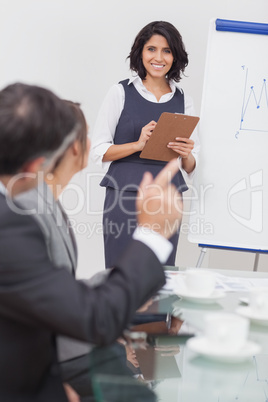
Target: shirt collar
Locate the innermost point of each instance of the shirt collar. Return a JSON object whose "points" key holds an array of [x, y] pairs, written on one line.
{"points": [[133, 78], [136, 80], [3, 189]]}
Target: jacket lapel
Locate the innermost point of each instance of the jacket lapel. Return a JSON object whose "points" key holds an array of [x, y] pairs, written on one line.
{"points": [[62, 223]]}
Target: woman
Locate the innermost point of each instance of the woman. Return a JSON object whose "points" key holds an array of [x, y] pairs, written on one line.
{"points": [[124, 125]]}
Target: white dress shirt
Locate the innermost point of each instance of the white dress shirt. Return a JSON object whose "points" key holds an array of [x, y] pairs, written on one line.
{"points": [[156, 242], [110, 112]]}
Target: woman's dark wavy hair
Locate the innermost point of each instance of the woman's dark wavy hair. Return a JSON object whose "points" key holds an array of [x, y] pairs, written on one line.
{"points": [[175, 43]]}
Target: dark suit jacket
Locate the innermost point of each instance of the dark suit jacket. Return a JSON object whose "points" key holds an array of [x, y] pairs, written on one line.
{"points": [[38, 301], [61, 248]]}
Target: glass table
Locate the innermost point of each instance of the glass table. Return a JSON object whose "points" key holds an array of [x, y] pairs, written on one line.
{"points": [[152, 365]]}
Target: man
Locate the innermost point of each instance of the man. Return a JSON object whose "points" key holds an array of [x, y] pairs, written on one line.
{"points": [[38, 301]]}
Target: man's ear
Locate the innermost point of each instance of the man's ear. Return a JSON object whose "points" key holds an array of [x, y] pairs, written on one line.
{"points": [[75, 148]]}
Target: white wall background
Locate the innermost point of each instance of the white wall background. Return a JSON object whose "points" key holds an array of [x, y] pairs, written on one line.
{"points": [[78, 48]]}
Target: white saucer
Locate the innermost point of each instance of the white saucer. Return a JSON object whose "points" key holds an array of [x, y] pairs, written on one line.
{"points": [[202, 346], [246, 311], [217, 294]]}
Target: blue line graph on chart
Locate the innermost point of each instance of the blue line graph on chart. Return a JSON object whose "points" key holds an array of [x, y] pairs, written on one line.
{"points": [[254, 113]]}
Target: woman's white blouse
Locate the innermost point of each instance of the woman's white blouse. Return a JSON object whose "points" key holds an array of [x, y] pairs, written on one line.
{"points": [[110, 112]]}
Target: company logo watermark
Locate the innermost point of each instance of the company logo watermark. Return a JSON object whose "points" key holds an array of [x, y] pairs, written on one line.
{"points": [[87, 203], [253, 190], [90, 229]]}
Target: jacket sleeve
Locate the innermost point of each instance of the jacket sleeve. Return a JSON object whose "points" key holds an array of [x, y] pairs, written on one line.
{"points": [[33, 292]]}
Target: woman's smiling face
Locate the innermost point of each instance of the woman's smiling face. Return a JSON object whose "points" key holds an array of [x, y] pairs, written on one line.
{"points": [[157, 57]]}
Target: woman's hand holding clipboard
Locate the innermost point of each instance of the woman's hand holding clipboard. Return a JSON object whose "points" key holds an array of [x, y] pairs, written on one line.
{"points": [[169, 127]]}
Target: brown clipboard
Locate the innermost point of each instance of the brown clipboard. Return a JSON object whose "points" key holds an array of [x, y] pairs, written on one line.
{"points": [[169, 126]]}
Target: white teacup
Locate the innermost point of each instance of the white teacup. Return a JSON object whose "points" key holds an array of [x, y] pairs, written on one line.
{"points": [[200, 282], [258, 301], [226, 332]]}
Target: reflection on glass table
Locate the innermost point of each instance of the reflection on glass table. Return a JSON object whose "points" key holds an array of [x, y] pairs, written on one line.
{"points": [[162, 363], [172, 373]]}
